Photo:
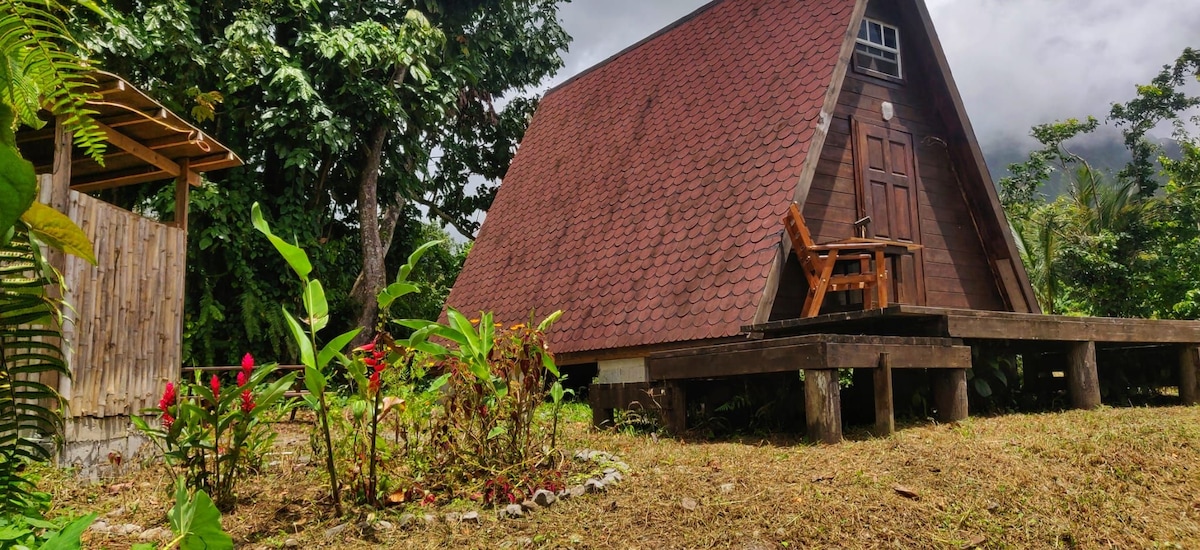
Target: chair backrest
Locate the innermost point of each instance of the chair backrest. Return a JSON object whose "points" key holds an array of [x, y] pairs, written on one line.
{"points": [[802, 243]]}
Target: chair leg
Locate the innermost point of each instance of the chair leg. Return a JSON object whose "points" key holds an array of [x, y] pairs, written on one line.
{"points": [[882, 281], [817, 295], [864, 267]]}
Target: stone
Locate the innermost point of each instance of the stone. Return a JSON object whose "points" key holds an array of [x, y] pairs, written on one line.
{"points": [[120, 511], [689, 504], [384, 525], [429, 519], [614, 477], [100, 526], [128, 529], [529, 505], [543, 497], [594, 486], [524, 542], [993, 506], [291, 543], [610, 471], [727, 487], [453, 517], [576, 491], [406, 520], [336, 530], [155, 533], [470, 517], [512, 511]]}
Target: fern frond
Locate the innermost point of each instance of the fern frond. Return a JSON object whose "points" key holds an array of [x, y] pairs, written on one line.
{"points": [[29, 348], [40, 69]]}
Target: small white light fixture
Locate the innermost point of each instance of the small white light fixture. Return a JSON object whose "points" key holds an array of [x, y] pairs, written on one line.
{"points": [[889, 111]]}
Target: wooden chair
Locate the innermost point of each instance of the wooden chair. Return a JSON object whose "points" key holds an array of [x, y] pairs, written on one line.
{"points": [[819, 260]]}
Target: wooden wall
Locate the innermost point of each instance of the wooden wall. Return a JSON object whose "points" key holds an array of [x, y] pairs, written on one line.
{"points": [[128, 310], [955, 265]]}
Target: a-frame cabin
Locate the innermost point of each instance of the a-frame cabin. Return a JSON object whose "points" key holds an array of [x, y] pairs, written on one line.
{"points": [[646, 199]]}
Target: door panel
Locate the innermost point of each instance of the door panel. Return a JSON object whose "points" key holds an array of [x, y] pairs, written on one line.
{"points": [[887, 181]]}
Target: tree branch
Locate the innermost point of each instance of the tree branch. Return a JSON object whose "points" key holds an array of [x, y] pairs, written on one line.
{"points": [[433, 209]]}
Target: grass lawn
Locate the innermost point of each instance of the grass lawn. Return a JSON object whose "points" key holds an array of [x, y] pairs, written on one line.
{"points": [[1111, 478]]}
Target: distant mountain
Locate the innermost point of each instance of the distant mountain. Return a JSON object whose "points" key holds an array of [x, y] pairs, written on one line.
{"points": [[1105, 150]]}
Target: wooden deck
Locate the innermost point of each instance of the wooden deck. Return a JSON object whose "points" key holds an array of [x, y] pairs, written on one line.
{"points": [[910, 337]]}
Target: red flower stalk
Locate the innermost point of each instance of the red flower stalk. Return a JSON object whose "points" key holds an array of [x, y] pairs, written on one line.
{"points": [[369, 346], [247, 401], [242, 379], [167, 420], [168, 398], [216, 386], [247, 363]]}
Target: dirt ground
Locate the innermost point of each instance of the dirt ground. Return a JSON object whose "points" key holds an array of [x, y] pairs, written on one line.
{"points": [[1111, 478]]}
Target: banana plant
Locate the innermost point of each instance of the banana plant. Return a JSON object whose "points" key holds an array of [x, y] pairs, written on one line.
{"points": [[316, 363]]}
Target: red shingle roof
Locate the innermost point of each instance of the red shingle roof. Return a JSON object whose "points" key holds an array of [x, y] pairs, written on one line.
{"points": [[645, 199]]}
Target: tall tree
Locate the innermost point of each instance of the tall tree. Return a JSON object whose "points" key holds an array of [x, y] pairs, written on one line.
{"points": [[338, 108]]}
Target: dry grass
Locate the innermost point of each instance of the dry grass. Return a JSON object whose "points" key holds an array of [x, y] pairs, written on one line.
{"points": [[1112, 478]]}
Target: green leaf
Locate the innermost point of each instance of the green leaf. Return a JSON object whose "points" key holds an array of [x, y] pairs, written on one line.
{"points": [[497, 432], [198, 522], [545, 324], [406, 269], [335, 346], [295, 256], [69, 537], [983, 388], [18, 184], [314, 381], [306, 347], [57, 230], [315, 305]]}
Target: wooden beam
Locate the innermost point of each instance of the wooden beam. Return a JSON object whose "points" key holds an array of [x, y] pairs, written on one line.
{"points": [[138, 150], [950, 394], [823, 406], [885, 416], [133, 119], [121, 180], [1189, 373], [675, 410], [824, 351], [1083, 382]]}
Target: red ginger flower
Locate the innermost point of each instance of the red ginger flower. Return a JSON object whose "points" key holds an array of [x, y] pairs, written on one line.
{"points": [[247, 363], [247, 401], [168, 398], [167, 420], [215, 384], [242, 379]]}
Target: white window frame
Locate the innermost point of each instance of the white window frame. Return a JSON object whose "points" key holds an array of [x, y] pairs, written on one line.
{"points": [[881, 45]]}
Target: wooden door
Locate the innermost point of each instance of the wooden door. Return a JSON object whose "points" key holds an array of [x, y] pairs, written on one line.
{"points": [[887, 183]]}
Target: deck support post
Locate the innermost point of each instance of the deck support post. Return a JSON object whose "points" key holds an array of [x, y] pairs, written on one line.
{"points": [[885, 418], [950, 394], [823, 405], [675, 413], [1083, 382], [1189, 369]]}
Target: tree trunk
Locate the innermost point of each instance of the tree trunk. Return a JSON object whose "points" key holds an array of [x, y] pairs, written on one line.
{"points": [[373, 275]]}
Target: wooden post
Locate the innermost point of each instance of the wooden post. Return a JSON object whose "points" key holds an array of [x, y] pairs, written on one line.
{"points": [[1189, 368], [676, 408], [1083, 384], [950, 394], [885, 417], [823, 405], [600, 400], [58, 196], [187, 178]]}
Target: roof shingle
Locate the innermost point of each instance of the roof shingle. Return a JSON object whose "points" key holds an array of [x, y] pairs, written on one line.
{"points": [[645, 198]]}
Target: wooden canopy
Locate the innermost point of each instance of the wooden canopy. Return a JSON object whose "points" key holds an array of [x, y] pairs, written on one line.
{"points": [[147, 142]]}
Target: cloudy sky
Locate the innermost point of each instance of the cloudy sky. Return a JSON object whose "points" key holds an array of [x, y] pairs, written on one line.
{"points": [[1017, 62]]}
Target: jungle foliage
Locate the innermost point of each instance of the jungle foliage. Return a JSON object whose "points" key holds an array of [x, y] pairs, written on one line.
{"points": [[355, 119]]}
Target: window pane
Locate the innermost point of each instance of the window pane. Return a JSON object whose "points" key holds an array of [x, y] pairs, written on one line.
{"points": [[889, 55], [876, 31], [862, 30], [889, 37]]}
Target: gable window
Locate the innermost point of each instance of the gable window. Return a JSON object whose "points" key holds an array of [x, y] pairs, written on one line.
{"points": [[877, 50]]}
